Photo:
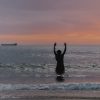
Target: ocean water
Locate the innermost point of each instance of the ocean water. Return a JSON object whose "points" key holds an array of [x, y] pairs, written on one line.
{"points": [[27, 67], [76, 55]]}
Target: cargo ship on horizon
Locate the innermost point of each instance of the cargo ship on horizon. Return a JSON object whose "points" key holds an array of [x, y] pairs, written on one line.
{"points": [[9, 44]]}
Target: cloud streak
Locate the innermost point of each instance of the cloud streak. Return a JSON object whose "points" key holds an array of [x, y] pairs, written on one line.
{"points": [[31, 17]]}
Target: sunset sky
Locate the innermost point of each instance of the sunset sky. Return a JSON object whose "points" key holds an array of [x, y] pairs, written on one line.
{"points": [[47, 21]]}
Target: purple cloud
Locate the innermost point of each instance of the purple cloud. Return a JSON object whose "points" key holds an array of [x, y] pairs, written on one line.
{"points": [[30, 16]]}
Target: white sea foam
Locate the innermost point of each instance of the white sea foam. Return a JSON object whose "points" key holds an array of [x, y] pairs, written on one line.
{"points": [[53, 86]]}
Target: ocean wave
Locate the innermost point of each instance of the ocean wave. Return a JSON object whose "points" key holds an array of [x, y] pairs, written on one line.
{"points": [[46, 70], [53, 86]]}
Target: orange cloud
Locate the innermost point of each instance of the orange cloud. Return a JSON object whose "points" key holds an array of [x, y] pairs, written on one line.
{"points": [[71, 38]]}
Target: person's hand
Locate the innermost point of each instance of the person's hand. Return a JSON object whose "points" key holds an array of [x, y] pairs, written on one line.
{"points": [[65, 44], [55, 44]]}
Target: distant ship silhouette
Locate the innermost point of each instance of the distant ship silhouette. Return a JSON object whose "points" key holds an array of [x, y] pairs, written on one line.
{"points": [[9, 44]]}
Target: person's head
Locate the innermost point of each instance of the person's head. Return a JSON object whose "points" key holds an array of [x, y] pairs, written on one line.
{"points": [[59, 52]]}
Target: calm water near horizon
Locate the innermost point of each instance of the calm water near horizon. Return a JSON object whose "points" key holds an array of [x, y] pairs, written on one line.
{"points": [[44, 54]]}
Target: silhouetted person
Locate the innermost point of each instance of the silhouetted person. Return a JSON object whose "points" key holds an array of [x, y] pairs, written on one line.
{"points": [[59, 56]]}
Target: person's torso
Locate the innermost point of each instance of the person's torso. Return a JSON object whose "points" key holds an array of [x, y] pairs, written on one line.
{"points": [[59, 59]]}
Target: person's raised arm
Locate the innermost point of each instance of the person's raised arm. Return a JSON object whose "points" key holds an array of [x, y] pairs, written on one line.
{"points": [[64, 49], [55, 48]]}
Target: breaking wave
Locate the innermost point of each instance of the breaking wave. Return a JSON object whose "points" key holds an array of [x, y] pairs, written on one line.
{"points": [[53, 86]]}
